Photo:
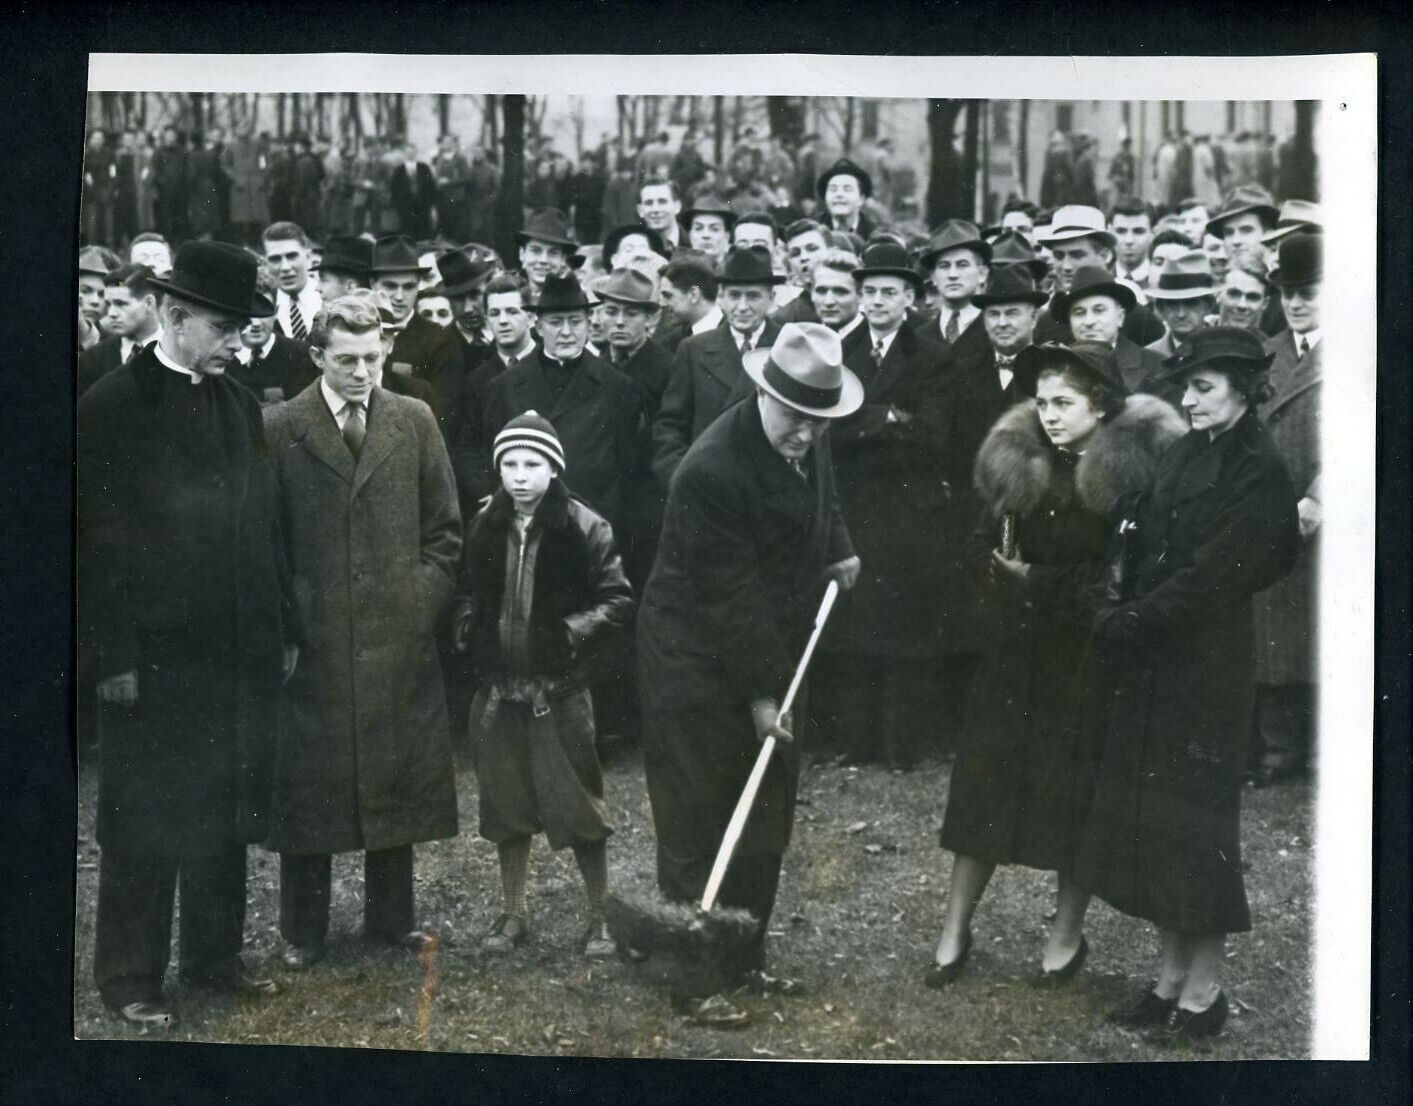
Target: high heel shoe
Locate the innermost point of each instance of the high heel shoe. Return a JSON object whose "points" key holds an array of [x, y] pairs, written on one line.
{"points": [[1064, 974], [943, 975]]}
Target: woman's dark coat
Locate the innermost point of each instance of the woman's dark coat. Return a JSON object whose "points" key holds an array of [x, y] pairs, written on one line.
{"points": [[1022, 778], [738, 578], [1162, 838]]}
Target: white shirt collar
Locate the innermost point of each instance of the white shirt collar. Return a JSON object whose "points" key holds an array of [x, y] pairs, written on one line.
{"points": [[127, 345], [194, 376], [852, 325], [309, 304], [885, 340], [710, 321], [338, 406], [755, 335], [524, 351], [964, 317], [245, 354], [1311, 337]]}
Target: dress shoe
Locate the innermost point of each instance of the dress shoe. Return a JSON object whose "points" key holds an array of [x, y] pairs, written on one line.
{"points": [[598, 943], [299, 957], [506, 935], [1064, 974], [1148, 1011], [1192, 1025], [716, 1012], [760, 983], [944, 975], [240, 982], [146, 1015]]}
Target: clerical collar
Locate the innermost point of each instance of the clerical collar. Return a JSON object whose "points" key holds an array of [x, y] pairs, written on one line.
{"points": [[191, 374], [572, 363]]}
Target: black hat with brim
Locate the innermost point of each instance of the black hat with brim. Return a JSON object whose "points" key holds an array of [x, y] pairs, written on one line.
{"points": [[1094, 359], [347, 254], [748, 265], [464, 272], [1010, 284], [615, 238], [845, 168], [219, 275], [1301, 261], [1229, 348], [548, 225], [710, 205], [888, 258], [396, 253], [1091, 280], [560, 293]]}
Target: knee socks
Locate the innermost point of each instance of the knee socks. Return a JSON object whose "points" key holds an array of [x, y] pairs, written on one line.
{"points": [[593, 863], [514, 867]]}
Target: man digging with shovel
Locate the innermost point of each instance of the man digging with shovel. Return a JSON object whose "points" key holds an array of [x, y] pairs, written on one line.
{"points": [[751, 537]]}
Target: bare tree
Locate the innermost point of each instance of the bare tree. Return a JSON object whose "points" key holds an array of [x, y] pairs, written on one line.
{"points": [[510, 200], [946, 198]]}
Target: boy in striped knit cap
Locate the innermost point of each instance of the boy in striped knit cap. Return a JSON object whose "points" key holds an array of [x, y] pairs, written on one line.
{"points": [[543, 585]]}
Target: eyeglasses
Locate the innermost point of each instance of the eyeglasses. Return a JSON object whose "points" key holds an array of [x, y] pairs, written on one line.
{"points": [[226, 328], [563, 322]]}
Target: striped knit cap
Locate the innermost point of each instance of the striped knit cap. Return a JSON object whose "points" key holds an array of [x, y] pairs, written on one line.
{"points": [[529, 431]]}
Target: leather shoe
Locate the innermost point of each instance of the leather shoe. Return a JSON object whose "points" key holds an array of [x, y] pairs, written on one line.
{"points": [[715, 1012], [598, 943], [1064, 974], [944, 975], [299, 957], [757, 982], [1192, 1025], [240, 982], [146, 1015], [1150, 1010], [506, 935]]}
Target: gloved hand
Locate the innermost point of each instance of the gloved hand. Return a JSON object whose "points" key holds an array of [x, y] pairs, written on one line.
{"points": [[769, 722]]}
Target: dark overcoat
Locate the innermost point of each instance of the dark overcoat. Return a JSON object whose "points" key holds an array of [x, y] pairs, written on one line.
{"points": [[1162, 837], [727, 610], [649, 369], [373, 547], [971, 343], [179, 581], [1140, 326], [98, 361], [706, 377], [432, 353], [281, 374], [1022, 778], [1286, 635]]}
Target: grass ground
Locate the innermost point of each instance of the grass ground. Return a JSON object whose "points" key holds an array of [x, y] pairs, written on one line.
{"points": [[858, 915]]}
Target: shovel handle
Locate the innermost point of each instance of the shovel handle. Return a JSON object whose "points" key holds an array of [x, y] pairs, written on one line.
{"points": [[737, 825]]}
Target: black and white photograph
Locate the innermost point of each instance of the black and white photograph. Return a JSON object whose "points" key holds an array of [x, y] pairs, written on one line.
{"points": [[580, 564]]}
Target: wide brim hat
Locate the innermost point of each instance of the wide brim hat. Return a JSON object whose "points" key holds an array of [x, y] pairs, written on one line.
{"points": [[463, 272], [1301, 261], [804, 369], [888, 258], [1244, 199], [748, 265], [561, 293], [955, 234], [1010, 247], [845, 168], [615, 237], [1235, 348], [1076, 221], [1295, 215], [345, 253], [1094, 359], [628, 286], [92, 262], [1185, 277], [548, 225], [710, 204], [396, 253], [1094, 281], [219, 275], [1010, 284]]}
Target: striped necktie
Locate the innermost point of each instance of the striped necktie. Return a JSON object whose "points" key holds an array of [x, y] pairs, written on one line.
{"points": [[950, 334], [297, 328]]}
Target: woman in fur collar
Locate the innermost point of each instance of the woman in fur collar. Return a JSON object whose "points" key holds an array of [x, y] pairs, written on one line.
{"points": [[1051, 470]]}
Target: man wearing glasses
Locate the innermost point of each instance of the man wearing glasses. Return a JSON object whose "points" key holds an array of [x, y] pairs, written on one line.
{"points": [[183, 626]]}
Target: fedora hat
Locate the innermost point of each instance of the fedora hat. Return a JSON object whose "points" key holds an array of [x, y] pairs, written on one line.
{"points": [[628, 286], [463, 272], [1093, 280], [1010, 284], [1295, 215], [548, 225], [396, 253], [1185, 277], [219, 275], [615, 237], [748, 265], [344, 253], [954, 234], [1011, 247], [92, 262], [1240, 200], [845, 168], [804, 369], [561, 293], [1076, 221], [1235, 347], [1301, 261], [709, 203], [1094, 359], [888, 258]]}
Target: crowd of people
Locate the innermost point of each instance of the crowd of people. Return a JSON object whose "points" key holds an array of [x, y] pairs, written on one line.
{"points": [[342, 499]]}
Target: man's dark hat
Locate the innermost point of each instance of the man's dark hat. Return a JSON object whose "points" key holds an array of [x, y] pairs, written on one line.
{"points": [[548, 225], [1301, 261], [92, 262], [1010, 284], [219, 275], [345, 253], [1094, 280], [954, 234], [615, 238], [1234, 347], [463, 272], [748, 265], [710, 204], [1095, 359], [845, 168], [395, 253], [1011, 247], [629, 286], [1242, 199], [888, 258], [560, 293]]}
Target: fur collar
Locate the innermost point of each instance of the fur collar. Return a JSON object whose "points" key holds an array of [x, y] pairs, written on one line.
{"points": [[552, 512], [1016, 464]]}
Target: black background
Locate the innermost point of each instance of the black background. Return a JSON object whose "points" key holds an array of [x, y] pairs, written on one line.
{"points": [[41, 124]]}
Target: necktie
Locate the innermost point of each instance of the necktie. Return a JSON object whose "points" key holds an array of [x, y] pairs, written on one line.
{"points": [[745, 344], [799, 469], [950, 334], [354, 428], [878, 353], [296, 322], [1304, 346]]}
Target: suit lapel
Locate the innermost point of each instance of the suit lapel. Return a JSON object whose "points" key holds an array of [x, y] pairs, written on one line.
{"points": [[319, 433], [1296, 375], [384, 430], [721, 357], [582, 388], [895, 364]]}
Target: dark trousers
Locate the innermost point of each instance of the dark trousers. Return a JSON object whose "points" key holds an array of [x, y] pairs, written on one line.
{"points": [[1284, 731], [306, 882], [751, 883], [134, 931]]}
